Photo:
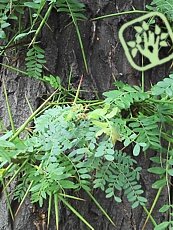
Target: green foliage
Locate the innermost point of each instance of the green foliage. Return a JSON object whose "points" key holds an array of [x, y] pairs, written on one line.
{"points": [[120, 175], [34, 62], [65, 153], [165, 224], [163, 6], [147, 131], [6, 14], [125, 95], [164, 88], [73, 147], [54, 81], [14, 10], [74, 8]]}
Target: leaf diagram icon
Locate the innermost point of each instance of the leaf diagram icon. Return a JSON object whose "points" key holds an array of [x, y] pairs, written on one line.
{"points": [[149, 40]]}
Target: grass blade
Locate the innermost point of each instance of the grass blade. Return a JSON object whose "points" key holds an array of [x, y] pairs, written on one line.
{"points": [[7, 199], [23, 199], [8, 107], [79, 37], [76, 213], [49, 210], [56, 210], [16, 173]]}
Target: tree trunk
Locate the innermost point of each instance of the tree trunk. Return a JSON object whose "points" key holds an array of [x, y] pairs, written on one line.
{"points": [[107, 63]]}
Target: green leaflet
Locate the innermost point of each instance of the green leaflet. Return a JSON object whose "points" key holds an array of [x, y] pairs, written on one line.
{"points": [[147, 132], [125, 96], [34, 62], [71, 7], [164, 87], [162, 226], [120, 175]]}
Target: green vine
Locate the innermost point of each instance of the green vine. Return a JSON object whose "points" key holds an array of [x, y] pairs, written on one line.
{"points": [[83, 145], [71, 148]]}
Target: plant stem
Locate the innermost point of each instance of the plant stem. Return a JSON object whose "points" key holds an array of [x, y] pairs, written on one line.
{"points": [[14, 69], [167, 177], [78, 91], [41, 24], [38, 14], [23, 199], [100, 207], [49, 210], [143, 82], [161, 101], [22, 127], [151, 218], [15, 174], [7, 199], [79, 37], [56, 210], [152, 207], [76, 213], [8, 108], [143, 77], [121, 13], [71, 197], [94, 102]]}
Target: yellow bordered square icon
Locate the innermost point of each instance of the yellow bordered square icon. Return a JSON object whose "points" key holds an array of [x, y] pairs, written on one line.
{"points": [[148, 41]]}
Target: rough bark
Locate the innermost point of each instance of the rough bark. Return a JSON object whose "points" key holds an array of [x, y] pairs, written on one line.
{"points": [[107, 63]]}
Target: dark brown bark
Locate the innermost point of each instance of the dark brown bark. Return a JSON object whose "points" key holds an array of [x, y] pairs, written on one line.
{"points": [[107, 63]]}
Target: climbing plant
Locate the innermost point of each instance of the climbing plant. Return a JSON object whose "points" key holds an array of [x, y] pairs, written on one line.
{"points": [[74, 147], [83, 145]]}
